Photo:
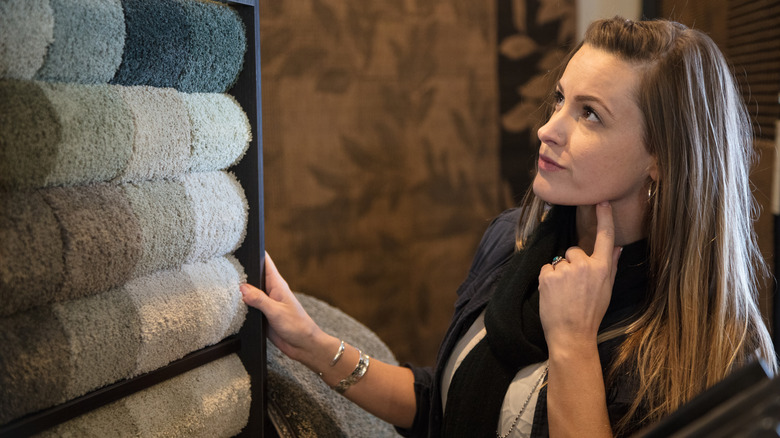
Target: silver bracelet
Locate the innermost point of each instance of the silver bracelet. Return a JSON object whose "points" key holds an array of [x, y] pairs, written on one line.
{"points": [[357, 374], [338, 354]]}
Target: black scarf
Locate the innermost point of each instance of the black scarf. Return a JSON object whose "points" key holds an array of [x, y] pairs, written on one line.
{"points": [[515, 338]]}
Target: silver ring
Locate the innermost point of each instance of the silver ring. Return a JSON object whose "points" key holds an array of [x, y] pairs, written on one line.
{"points": [[556, 260]]}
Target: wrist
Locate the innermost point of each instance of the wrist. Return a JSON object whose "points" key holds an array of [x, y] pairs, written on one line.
{"points": [[572, 348]]}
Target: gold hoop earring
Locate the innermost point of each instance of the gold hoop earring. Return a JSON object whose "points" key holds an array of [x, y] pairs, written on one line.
{"points": [[651, 190]]}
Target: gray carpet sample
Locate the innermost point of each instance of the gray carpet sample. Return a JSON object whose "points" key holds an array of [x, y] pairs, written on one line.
{"points": [[35, 363], [305, 402], [102, 240], [54, 353], [221, 212], [62, 134], [30, 134], [167, 226], [26, 30], [31, 253], [97, 133]]}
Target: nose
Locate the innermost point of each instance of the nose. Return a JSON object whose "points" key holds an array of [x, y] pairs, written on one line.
{"points": [[552, 133]]}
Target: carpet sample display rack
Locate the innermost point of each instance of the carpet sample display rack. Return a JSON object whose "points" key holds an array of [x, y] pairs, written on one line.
{"points": [[130, 112]]}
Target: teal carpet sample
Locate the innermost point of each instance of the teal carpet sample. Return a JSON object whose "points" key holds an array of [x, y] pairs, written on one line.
{"points": [[89, 38]]}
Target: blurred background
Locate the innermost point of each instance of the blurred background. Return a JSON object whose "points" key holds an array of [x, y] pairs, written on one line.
{"points": [[395, 130]]}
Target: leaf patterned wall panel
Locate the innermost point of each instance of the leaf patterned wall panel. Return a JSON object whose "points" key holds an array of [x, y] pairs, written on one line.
{"points": [[381, 155], [533, 37]]}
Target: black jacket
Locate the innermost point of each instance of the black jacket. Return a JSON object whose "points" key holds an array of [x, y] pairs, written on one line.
{"points": [[495, 249]]}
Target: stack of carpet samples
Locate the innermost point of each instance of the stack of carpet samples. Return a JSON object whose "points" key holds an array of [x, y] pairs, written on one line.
{"points": [[118, 218]]}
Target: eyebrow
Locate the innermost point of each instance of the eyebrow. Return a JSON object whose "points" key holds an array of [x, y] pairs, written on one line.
{"points": [[588, 98]]}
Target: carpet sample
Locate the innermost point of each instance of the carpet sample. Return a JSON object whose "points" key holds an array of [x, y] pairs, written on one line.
{"points": [[220, 131], [186, 309], [34, 363], [89, 37], [220, 213], [75, 134], [57, 352], [304, 402], [216, 46], [70, 242], [165, 217], [26, 30], [103, 333], [216, 284], [210, 401], [161, 145], [30, 133], [97, 133], [62, 134], [101, 238], [155, 43], [31, 252], [193, 46]]}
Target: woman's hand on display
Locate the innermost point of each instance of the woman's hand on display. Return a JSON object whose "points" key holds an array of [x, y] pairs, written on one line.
{"points": [[575, 292], [291, 329]]}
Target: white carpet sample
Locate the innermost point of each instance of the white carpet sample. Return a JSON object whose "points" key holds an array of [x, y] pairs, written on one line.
{"points": [[161, 146], [220, 211], [220, 131], [211, 401]]}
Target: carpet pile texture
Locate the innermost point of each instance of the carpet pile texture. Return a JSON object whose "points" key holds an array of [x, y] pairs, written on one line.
{"points": [[302, 402], [60, 351], [59, 134]]}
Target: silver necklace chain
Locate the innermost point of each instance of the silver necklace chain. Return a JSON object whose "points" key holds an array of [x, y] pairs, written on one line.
{"points": [[525, 405]]}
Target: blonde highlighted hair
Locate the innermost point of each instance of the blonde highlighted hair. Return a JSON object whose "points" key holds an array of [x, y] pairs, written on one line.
{"points": [[703, 320]]}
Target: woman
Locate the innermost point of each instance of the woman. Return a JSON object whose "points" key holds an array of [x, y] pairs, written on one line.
{"points": [[625, 284]]}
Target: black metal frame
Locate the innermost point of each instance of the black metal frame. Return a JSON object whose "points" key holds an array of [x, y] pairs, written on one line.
{"points": [[250, 342]]}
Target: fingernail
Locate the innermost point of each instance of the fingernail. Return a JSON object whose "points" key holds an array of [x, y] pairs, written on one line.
{"points": [[604, 203]]}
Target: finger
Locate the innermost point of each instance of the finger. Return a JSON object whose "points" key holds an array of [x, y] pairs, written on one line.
{"points": [[274, 282], [605, 233], [574, 253], [270, 268], [253, 296]]}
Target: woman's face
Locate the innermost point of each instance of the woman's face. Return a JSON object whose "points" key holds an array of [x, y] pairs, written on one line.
{"points": [[592, 147]]}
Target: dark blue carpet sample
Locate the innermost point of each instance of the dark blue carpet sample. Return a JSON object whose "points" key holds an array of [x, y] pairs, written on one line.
{"points": [[156, 43], [190, 45], [217, 42]]}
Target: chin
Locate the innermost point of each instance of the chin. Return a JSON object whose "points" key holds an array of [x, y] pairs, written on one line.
{"points": [[543, 191]]}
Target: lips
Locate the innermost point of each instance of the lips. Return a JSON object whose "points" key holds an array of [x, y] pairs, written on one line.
{"points": [[548, 165]]}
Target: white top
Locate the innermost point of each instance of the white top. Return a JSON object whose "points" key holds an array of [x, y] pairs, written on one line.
{"points": [[524, 382]]}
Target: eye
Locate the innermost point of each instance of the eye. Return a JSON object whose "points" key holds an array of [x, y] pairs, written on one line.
{"points": [[557, 99], [590, 114]]}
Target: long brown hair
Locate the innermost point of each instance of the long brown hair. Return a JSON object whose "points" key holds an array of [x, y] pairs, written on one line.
{"points": [[703, 320]]}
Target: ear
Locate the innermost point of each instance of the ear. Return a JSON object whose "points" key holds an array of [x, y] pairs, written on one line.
{"points": [[652, 169]]}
